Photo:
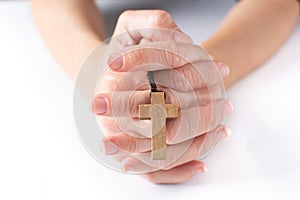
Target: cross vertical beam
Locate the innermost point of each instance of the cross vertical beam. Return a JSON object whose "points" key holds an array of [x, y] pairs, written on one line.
{"points": [[158, 112]]}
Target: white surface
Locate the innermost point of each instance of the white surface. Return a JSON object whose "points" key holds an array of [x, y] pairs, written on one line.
{"points": [[41, 156]]}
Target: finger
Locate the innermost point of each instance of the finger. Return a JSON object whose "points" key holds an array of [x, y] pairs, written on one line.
{"points": [[176, 154], [128, 143], [109, 80], [196, 121], [132, 127], [202, 145], [156, 56], [193, 119], [112, 143], [177, 174], [144, 41], [152, 25], [192, 76], [120, 104], [123, 81], [187, 78], [126, 103], [108, 125]]}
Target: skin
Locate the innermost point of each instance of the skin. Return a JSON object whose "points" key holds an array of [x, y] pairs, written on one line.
{"points": [[189, 142], [246, 38]]}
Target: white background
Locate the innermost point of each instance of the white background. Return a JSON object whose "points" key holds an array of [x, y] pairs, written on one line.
{"points": [[41, 156]]}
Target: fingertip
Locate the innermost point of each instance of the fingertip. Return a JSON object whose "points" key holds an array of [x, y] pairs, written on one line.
{"points": [[226, 133], [99, 106], [223, 69], [128, 165], [229, 107], [202, 169], [199, 167], [115, 61], [229, 132]]}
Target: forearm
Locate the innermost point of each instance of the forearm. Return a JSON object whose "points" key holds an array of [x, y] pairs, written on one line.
{"points": [[70, 28], [251, 33]]}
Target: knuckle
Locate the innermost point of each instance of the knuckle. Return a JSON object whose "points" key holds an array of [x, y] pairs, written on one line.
{"points": [[162, 18], [131, 144], [137, 58], [119, 105], [163, 14], [189, 78], [124, 15]]}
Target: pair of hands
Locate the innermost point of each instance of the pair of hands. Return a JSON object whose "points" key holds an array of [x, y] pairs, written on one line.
{"points": [[151, 41]]}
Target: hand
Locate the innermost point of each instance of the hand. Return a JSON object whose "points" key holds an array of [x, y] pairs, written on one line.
{"points": [[142, 26], [118, 83], [125, 135]]}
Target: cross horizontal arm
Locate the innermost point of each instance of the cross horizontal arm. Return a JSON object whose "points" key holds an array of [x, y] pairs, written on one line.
{"points": [[171, 111], [144, 111]]}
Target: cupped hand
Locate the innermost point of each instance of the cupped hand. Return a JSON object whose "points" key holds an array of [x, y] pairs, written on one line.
{"points": [[189, 79]]}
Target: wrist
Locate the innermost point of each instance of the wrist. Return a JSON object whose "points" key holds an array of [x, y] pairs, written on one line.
{"points": [[217, 51]]}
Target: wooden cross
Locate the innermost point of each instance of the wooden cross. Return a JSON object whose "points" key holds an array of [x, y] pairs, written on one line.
{"points": [[158, 112]]}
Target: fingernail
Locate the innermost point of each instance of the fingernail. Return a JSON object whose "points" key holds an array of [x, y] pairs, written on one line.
{"points": [[224, 69], [115, 61], [108, 147], [100, 106], [226, 133], [181, 37], [201, 169], [229, 107]]}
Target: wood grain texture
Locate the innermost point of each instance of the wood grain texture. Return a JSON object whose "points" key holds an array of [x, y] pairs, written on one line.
{"points": [[158, 112]]}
